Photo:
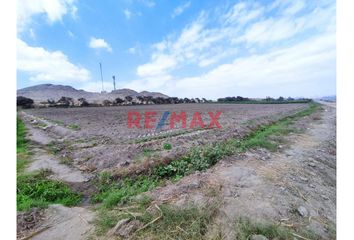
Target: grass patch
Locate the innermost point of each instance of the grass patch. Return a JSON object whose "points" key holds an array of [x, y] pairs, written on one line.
{"points": [[41, 125], [74, 126], [57, 122], [21, 146], [189, 222], [244, 228], [35, 190], [66, 161], [21, 142], [167, 146], [54, 148], [148, 152], [108, 218], [111, 193]]}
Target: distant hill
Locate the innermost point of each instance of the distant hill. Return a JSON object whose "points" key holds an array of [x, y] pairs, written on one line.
{"points": [[332, 98], [43, 92]]}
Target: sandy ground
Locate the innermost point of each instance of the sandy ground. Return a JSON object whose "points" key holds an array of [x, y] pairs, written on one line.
{"points": [[63, 223]]}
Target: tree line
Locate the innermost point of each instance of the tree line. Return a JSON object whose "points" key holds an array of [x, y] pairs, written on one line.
{"points": [[264, 100], [25, 102]]}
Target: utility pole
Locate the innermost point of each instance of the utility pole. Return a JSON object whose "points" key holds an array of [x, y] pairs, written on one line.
{"points": [[101, 77], [114, 82]]}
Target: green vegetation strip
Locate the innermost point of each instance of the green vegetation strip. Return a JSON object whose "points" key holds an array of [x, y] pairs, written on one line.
{"points": [[21, 146], [35, 189], [111, 192]]}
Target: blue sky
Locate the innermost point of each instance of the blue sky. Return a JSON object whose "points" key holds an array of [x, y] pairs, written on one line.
{"points": [[182, 48]]}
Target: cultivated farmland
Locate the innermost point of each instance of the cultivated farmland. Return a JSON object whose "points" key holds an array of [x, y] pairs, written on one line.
{"points": [[269, 170], [97, 138]]}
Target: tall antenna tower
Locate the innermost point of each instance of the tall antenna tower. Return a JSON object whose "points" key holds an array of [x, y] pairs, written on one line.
{"points": [[101, 76], [114, 82]]}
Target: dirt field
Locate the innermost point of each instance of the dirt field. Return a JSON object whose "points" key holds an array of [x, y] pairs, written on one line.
{"points": [[293, 187], [99, 138]]}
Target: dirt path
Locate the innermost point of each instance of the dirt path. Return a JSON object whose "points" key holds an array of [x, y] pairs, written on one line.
{"points": [[41, 159], [295, 187], [59, 222], [66, 223]]}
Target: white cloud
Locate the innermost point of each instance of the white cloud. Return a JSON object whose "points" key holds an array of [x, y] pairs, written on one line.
{"points": [[248, 48], [310, 62], [127, 13], [132, 50], [99, 43], [159, 65], [241, 13], [269, 30], [180, 9], [96, 86], [44, 65], [157, 82], [148, 3], [294, 7], [54, 10]]}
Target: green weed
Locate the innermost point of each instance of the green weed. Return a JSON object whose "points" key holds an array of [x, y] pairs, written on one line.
{"points": [[167, 146], [74, 126], [112, 193], [35, 190]]}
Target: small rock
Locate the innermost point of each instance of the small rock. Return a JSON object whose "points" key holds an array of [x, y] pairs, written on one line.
{"points": [[303, 179], [324, 197], [258, 237], [195, 184], [125, 163], [311, 164], [302, 211]]}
